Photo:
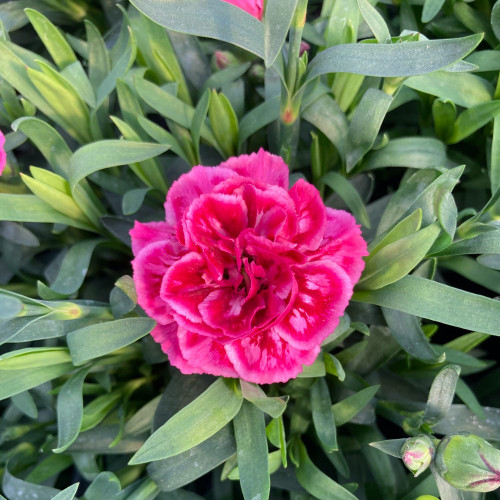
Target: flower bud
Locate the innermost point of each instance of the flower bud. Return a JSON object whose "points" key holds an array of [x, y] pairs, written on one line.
{"points": [[417, 453], [468, 462], [223, 59]]}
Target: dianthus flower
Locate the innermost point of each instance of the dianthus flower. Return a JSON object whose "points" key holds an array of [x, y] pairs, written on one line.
{"points": [[253, 7], [245, 277]]}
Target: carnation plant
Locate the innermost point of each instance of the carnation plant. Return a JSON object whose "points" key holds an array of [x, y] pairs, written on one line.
{"points": [[249, 249]]}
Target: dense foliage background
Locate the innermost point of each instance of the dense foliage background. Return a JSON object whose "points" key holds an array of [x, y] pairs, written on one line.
{"points": [[102, 109]]}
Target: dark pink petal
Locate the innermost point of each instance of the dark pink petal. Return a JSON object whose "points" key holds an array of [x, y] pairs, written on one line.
{"points": [[311, 214], [144, 234], [266, 358], [205, 353], [199, 180], [324, 290], [185, 286], [261, 166], [230, 311], [166, 336], [150, 266], [253, 7], [343, 243]]}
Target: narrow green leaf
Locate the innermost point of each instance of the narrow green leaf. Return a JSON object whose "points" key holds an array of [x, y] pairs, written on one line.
{"points": [[472, 119], [391, 446], [132, 200], [10, 307], [70, 410], [95, 411], [251, 443], [208, 18], [24, 401], [375, 21], [465, 393], [397, 259], [192, 425], [365, 125], [349, 194], [408, 333], [398, 59], [54, 41], [321, 408], [200, 113], [29, 208], [68, 493], [177, 471], [345, 410], [258, 118], [316, 482], [27, 368], [334, 366], [463, 89], [102, 338], [274, 406], [430, 10], [109, 153], [279, 15], [105, 485], [412, 152], [325, 114], [435, 301], [495, 155], [98, 58], [488, 243], [17, 489], [441, 394]]}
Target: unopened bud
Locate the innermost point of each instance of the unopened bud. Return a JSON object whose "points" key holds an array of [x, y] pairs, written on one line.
{"points": [[417, 453], [468, 462], [223, 59]]}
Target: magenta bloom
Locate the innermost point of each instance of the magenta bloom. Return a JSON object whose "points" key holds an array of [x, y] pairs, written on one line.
{"points": [[253, 7], [3, 155], [245, 277]]}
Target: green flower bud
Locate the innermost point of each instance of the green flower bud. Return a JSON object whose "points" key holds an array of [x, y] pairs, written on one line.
{"points": [[468, 462], [417, 453], [222, 59]]}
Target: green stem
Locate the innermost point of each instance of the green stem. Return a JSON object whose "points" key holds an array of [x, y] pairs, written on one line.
{"points": [[295, 38]]}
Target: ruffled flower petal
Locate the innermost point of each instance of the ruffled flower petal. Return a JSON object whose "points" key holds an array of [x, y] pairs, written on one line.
{"points": [[144, 234]]}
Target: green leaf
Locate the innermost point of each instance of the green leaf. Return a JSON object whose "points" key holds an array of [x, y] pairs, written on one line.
{"points": [[345, 410], [70, 110], [316, 482], [397, 259], [488, 243], [465, 393], [437, 302], [68, 493], [132, 200], [495, 156], [441, 394], [430, 10], [251, 445], [10, 307], [209, 18], [200, 113], [321, 408], [70, 410], [59, 49], [472, 119], [95, 411], [398, 59], [105, 485], [391, 447], [109, 153], [253, 393], [118, 71], [103, 338], [279, 15], [412, 152], [408, 333], [349, 194], [258, 118], [48, 141], [24, 401], [325, 114], [98, 58], [463, 89], [224, 123], [375, 21], [192, 425], [184, 468], [444, 113], [27, 368], [334, 366], [17, 489]]}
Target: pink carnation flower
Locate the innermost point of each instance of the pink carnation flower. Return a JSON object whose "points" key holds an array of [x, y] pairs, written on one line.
{"points": [[246, 277], [3, 155], [253, 7]]}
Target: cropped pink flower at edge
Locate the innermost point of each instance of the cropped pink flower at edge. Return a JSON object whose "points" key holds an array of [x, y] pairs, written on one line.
{"points": [[3, 155], [245, 277], [253, 7]]}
